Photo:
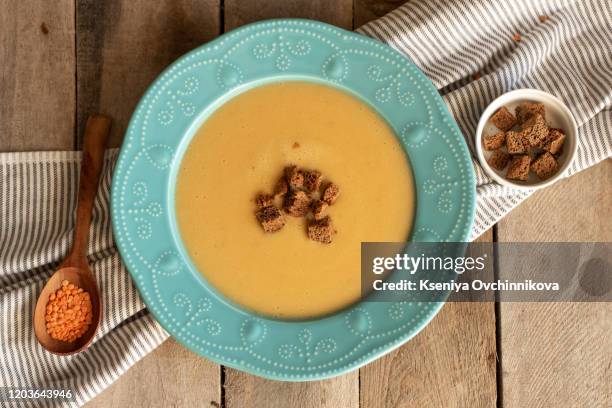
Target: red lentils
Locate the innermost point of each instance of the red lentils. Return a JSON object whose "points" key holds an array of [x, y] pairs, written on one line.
{"points": [[68, 313]]}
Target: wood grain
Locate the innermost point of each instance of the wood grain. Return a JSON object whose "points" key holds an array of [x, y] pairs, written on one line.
{"points": [[64, 59], [97, 130], [244, 390], [368, 10], [240, 12], [122, 45], [37, 93], [559, 354], [171, 376], [451, 363]]}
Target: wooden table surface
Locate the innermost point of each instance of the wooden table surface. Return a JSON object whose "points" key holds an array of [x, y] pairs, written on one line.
{"points": [[62, 59]]}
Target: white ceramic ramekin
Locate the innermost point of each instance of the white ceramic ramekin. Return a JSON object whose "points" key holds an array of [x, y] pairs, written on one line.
{"points": [[558, 115]]}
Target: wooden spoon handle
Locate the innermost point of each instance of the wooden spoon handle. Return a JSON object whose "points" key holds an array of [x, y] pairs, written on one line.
{"points": [[96, 135]]}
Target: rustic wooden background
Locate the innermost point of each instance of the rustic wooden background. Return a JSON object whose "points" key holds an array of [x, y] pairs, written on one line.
{"points": [[63, 59]]}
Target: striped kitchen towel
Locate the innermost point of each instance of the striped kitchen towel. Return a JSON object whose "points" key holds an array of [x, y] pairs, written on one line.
{"points": [[467, 49], [38, 193]]}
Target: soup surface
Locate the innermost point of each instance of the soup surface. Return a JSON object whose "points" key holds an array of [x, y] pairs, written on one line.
{"points": [[241, 150]]}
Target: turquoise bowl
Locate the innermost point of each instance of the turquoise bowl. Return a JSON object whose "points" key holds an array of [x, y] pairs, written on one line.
{"points": [[166, 118]]}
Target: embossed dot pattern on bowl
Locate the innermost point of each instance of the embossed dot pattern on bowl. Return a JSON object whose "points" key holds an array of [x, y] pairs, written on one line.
{"points": [[159, 131]]}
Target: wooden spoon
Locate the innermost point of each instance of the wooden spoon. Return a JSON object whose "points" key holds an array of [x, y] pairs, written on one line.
{"points": [[75, 268]]}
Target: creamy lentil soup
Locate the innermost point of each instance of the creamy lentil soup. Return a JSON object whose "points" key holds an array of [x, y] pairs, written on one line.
{"points": [[242, 148]]}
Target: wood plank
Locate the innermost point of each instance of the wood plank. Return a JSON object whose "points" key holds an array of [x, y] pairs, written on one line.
{"points": [[451, 363], [368, 10], [559, 354], [338, 12], [37, 90], [241, 389], [244, 390], [122, 45], [171, 376]]}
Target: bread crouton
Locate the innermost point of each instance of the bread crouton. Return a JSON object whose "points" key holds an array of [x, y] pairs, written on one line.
{"points": [[519, 168], [527, 109], [270, 218], [294, 177], [535, 131], [312, 180], [515, 143], [321, 230], [499, 159], [544, 166], [494, 142], [554, 143], [318, 209], [297, 203], [300, 193], [331, 193], [503, 119]]}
